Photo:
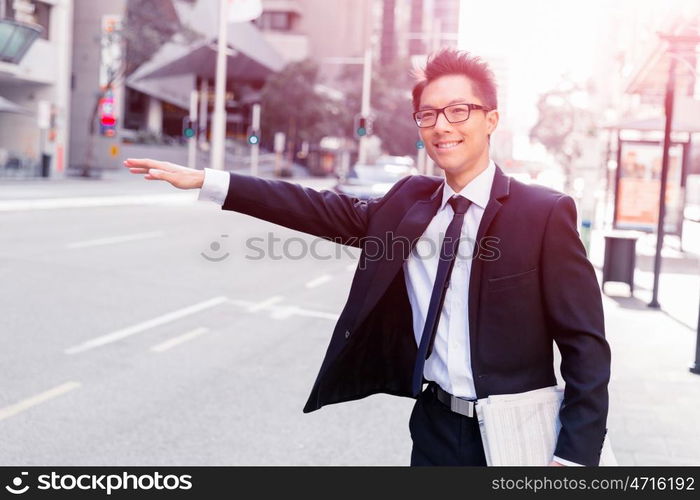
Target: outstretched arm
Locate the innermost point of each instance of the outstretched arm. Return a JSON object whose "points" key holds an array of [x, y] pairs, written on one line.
{"points": [[327, 214]]}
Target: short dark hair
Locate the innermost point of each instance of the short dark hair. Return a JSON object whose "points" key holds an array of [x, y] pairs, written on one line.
{"points": [[449, 61]]}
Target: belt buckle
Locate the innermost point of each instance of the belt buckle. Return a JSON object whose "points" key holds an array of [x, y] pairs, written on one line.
{"points": [[462, 406]]}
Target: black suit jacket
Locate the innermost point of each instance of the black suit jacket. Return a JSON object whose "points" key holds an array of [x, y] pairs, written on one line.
{"points": [[530, 284]]}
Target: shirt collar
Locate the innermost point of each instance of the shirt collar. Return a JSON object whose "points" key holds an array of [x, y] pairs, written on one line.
{"points": [[478, 191]]}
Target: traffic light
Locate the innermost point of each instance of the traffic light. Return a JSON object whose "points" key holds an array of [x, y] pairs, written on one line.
{"points": [[363, 126], [188, 127], [253, 137], [361, 129]]}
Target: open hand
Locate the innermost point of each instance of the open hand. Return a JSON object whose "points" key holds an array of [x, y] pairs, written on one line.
{"points": [[177, 175]]}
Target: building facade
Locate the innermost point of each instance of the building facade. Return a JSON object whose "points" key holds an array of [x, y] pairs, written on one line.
{"points": [[34, 120]]}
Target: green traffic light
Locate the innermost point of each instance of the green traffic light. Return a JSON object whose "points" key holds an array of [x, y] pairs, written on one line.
{"points": [[253, 139], [189, 133], [362, 131]]}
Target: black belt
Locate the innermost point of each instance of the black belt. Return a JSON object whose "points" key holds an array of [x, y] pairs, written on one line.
{"points": [[466, 407]]}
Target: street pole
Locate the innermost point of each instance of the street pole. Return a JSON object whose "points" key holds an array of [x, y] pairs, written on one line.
{"points": [[219, 116], [695, 367], [192, 141], [365, 108], [255, 148], [668, 102], [203, 111]]}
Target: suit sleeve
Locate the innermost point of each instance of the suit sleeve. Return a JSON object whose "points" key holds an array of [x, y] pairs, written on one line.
{"points": [[334, 216], [574, 310]]}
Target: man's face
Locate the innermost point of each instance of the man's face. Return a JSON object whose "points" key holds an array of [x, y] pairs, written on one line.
{"points": [[471, 136]]}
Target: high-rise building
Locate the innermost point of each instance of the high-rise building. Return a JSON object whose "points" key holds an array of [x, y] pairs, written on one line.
{"points": [[416, 27], [35, 86]]}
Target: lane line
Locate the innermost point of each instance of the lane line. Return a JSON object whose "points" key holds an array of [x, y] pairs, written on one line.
{"points": [[115, 239], [25, 404], [265, 303], [284, 311], [319, 281], [163, 346], [316, 314], [151, 323], [98, 201]]}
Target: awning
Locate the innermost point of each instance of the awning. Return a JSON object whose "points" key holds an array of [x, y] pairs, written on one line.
{"points": [[651, 77], [250, 56], [282, 6], [10, 107], [686, 119]]}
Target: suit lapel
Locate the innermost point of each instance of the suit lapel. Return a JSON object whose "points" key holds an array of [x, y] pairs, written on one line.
{"points": [[499, 191], [411, 227]]}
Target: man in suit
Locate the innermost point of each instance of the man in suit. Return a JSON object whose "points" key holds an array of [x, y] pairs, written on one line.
{"points": [[463, 283]]}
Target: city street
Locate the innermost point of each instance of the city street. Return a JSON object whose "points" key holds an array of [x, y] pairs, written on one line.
{"points": [[128, 343], [191, 361]]}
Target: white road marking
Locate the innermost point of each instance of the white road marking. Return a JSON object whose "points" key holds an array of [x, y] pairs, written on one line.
{"points": [[319, 281], [179, 340], [265, 303], [283, 312], [278, 312], [25, 404], [316, 314], [115, 239], [98, 201], [351, 267], [151, 323]]}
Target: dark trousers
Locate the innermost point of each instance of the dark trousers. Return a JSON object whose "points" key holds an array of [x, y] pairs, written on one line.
{"points": [[442, 437]]}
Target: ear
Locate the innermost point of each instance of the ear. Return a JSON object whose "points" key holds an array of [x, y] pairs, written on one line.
{"points": [[492, 121]]}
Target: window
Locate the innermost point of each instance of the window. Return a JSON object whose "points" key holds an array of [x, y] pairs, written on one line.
{"points": [[278, 21], [42, 17], [28, 11]]}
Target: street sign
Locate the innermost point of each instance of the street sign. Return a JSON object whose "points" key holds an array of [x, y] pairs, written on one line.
{"points": [[44, 114]]}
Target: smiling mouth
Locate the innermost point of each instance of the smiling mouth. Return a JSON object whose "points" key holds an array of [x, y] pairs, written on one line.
{"points": [[448, 145]]}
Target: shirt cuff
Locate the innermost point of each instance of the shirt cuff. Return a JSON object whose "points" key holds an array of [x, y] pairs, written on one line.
{"points": [[565, 462], [215, 186]]}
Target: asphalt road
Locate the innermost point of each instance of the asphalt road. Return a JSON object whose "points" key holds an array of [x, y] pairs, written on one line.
{"points": [[123, 345]]}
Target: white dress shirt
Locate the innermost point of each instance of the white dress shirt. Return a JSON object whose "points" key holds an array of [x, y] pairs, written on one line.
{"points": [[449, 364]]}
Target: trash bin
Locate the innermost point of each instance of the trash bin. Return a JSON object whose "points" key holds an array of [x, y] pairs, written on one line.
{"points": [[45, 164], [620, 258]]}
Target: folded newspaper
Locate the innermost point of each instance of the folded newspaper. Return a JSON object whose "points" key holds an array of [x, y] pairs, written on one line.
{"points": [[522, 428]]}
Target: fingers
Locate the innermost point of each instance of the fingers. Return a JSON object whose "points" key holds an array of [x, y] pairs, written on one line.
{"points": [[144, 163]]}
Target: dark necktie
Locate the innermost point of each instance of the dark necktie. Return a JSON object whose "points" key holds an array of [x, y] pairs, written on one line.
{"points": [[448, 253]]}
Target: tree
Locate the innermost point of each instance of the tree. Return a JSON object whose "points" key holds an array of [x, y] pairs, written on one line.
{"points": [[390, 101], [291, 103], [561, 126]]}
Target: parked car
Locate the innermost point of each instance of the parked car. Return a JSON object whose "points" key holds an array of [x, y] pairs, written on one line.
{"points": [[406, 161], [372, 181]]}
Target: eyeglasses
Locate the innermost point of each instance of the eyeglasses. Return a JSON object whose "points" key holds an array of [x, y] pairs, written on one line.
{"points": [[454, 113]]}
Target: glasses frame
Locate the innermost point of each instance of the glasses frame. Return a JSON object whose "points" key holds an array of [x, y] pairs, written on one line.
{"points": [[442, 110]]}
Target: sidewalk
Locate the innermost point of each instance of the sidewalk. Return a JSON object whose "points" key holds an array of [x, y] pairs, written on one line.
{"points": [[118, 186], [654, 398]]}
